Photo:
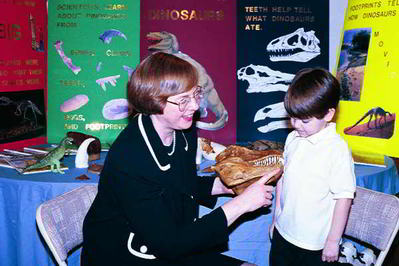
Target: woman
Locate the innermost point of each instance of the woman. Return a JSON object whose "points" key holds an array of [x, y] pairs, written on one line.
{"points": [[146, 209]]}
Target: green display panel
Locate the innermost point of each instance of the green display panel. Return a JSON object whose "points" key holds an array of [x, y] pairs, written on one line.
{"points": [[92, 48]]}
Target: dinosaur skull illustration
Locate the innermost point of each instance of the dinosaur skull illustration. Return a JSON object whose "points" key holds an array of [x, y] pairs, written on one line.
{"points": [[276, 114], [299, 46], [264, 79]]}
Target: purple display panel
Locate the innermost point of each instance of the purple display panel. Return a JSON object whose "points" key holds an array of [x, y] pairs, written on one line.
{"points": [[275, 39], [205, 32]]}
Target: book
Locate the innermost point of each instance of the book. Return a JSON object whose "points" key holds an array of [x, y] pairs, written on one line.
{"points": [[44, 150], [15, 152], [4, 163], [38, 150]]}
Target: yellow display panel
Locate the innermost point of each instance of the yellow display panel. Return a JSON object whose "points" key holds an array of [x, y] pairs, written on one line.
{"points": [[368, 68]]}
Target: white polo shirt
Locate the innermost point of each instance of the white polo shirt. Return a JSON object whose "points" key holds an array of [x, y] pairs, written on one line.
{"points": [[318, 170]]}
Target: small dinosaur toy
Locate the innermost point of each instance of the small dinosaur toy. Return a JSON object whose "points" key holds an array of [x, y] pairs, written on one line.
{"points": [[52, 158]]}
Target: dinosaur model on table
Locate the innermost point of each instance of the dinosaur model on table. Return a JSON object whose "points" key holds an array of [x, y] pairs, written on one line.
{"points": [[52, 158]]}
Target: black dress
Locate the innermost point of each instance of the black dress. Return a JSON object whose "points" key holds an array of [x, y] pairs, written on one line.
{"points": [[146, 209]]}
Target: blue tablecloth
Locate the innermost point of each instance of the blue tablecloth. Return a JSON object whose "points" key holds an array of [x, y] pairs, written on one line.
{"points": [[383, 179], [20, 195]]}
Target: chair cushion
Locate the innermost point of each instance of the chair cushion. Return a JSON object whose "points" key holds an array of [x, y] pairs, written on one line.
{"points": [[373, 217], [63, 217]]}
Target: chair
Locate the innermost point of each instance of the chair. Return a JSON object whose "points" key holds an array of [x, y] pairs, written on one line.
{"points": [[374, 219], [60, 220]]}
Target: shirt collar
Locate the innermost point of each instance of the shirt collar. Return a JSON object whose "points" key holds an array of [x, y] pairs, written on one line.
{"points": [[321, 135]]}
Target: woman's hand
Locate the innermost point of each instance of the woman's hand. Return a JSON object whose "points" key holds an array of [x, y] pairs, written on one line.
{"points": [[254, 197], [219, 188], [258, 194]]}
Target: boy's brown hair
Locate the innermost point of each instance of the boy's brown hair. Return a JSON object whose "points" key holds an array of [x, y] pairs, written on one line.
{"points": [[312, 93]]}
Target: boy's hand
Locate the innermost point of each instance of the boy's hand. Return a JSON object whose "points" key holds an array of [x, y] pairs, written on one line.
{"points": [[331, 251]]}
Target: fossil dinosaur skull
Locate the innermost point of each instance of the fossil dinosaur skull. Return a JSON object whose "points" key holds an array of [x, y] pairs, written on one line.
{"points": [[299, 46], [167, 42], [238, 166]]}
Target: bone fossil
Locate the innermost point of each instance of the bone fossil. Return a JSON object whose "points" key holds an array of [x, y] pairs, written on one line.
{"points": [[67, 61], [239, 167], [207, 149]]}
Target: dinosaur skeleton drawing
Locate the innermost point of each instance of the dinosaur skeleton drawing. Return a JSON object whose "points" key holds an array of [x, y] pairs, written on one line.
{"points": [[299, 46], [277, 111], [167, 42], [263, 79], [22, 108], [378, 113]]}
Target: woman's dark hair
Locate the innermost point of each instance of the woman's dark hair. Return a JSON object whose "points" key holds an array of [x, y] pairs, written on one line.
{"points": [[157, 77], [312, 93]]}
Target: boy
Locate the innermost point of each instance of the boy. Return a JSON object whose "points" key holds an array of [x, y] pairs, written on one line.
{"points": [[314, 196]]}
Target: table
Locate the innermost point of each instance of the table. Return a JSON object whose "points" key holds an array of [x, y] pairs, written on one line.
{"points": [[383, 179], [20, 195], [249, 239]]}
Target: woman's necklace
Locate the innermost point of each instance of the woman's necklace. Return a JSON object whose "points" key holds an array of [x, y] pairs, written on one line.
{"points": [[173, 144]]}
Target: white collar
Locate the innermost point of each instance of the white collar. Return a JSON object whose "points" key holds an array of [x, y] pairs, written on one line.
{"points": [[144, 134], [322, 134], [147, 142]]}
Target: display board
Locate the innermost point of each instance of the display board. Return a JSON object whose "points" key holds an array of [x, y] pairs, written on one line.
{"points": [[203, 33], [93, 47], [23, 38], [275, 39], [367, 70]]}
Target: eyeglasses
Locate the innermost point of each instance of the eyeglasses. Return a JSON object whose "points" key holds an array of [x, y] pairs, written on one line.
{"points": [[183, 102]]}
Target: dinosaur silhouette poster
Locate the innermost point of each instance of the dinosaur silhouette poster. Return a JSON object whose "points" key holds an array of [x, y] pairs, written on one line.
{"points": [[367, 70], [23, 37]]}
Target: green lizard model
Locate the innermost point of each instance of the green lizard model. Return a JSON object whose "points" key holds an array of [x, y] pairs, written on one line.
{"points": [[52, 158]]}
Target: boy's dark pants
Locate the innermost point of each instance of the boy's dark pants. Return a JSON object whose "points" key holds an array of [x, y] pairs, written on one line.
{"points": [[283, 253]]}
